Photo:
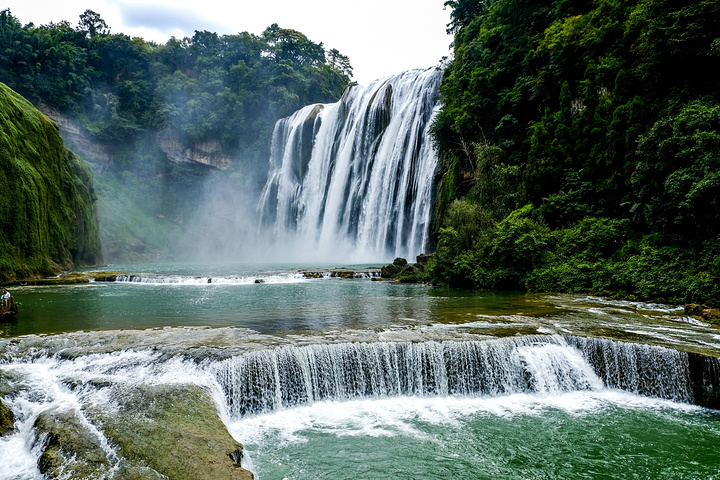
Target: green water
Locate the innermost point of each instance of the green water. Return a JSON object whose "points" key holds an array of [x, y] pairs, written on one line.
{"points": [[589, 436], [605, 434], [332, 308]]}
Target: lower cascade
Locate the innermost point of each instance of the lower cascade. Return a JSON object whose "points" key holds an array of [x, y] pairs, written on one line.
{"points": [[79, 395], [273, 379], [355, 177]]}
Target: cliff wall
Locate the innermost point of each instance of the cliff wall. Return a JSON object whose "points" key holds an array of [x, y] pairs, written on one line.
{"points": [[47, 214]]}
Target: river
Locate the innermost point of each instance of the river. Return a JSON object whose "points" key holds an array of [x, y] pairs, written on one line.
{"points": [[354, 378]]}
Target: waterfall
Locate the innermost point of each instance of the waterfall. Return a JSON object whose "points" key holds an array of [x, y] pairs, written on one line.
{"points": [[83, 384], [273, 379], [354, 179]]}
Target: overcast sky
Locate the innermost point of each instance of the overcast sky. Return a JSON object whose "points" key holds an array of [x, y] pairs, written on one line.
{"points": [[381, 37]]}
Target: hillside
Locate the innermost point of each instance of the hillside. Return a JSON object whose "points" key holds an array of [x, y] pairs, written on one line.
{"points": [[580, 147], [47, 216], [171, 132]]}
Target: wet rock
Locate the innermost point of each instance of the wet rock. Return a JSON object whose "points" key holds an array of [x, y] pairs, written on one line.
{"points": [[402, 271], [174, 430], [342, 274], [390, 271], [702, 312], [71, 449], [7, 420]]}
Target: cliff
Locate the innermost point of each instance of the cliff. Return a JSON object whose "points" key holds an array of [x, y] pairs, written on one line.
{"points": [[47, 214]]}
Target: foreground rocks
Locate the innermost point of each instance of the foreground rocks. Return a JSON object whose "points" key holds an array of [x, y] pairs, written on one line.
{"points": [[402, 271], [703, 312], [156, 432], [6, 420]]}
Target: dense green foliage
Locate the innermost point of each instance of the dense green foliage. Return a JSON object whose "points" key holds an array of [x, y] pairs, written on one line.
{"points": [[128, 96], [228, 87], [580, 148], [47, 216]]}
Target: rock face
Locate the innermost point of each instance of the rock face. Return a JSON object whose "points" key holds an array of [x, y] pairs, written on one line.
{"points": [[76, 139], [154, 432], [6, 420], [702, 312], [47, 211], [208, 153]]}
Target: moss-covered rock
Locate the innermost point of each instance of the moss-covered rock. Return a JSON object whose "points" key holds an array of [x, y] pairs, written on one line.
{"points": [[404, 272], [47, 213], [72, 278], [174, 430], [703, 312], [71, 450], [6, 420]]}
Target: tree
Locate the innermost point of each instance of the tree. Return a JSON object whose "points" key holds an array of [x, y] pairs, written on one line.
{"points": [[339, 62], [91, 23]]}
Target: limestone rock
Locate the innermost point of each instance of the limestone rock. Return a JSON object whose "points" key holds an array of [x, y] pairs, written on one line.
{"points": [[6, 420], [702, 312], [70, 447], [208, 153], [175, 430]]}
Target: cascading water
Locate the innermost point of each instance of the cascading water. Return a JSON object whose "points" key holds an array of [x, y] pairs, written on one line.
{"points": [[353, 180], [61, 378], [289, 376]]}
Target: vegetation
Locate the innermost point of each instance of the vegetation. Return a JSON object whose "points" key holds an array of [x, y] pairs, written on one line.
{"points": [[128, 95], [7, 420], [580, 149], [210, 86], [47, 216]]}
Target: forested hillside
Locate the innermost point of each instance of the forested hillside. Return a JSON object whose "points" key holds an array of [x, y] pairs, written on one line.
{"points": [[137, 105], [47, 216], [580, 146]]}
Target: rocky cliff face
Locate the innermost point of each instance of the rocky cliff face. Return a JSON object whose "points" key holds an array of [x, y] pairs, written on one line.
{"points": [[47, 212], [176, 149], [208, 153], [76, 139]]}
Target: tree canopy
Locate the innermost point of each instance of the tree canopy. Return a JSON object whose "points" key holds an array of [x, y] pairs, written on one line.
{"points": [[231, 87], [591, 118]]}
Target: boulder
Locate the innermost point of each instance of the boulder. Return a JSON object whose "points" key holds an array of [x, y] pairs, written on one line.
{"points": [[422, 260], [702, 312], [395, 268], [7, 421]]}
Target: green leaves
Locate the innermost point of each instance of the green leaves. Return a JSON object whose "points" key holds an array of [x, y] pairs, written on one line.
{"points": [[229, 87], [607, 120]]}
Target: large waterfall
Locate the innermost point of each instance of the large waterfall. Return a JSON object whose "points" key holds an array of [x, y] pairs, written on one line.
{"points": [[353, 179]]}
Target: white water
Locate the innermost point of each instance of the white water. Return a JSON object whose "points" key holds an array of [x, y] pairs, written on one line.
{"points": [[353, 180], [151, 279], [366, 388]]}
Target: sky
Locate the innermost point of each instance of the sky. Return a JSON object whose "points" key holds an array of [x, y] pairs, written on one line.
{"points": [[381, 37]]}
